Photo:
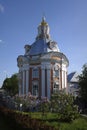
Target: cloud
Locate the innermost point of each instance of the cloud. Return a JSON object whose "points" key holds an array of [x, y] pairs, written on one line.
{"points": [[1, 8], [1, 41]]}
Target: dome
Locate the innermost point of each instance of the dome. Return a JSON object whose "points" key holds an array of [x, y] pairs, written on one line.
{"points": [[43, 43], [43, 46]]}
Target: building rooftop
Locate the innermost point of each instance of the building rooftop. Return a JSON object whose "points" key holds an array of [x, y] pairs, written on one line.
{"points": [[73, 77], [43, 42]]}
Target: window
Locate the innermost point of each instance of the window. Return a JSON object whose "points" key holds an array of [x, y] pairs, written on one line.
{"points": [[56, 88], [35, 88], [56, 73], [35, 73]]}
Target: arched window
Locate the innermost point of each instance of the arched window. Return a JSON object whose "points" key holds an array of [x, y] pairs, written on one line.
{"points": [[35, 88], [56, 71]]}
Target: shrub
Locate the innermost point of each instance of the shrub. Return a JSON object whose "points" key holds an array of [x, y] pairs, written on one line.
{"points": [[22, 120], [63, 105]]}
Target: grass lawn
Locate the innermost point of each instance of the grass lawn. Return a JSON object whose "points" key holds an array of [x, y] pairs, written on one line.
{"points": [[78, 124], [51, 119], [48, 119]]}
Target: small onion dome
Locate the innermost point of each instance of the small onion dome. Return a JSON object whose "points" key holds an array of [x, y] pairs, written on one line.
{"points": [[43, 23]]}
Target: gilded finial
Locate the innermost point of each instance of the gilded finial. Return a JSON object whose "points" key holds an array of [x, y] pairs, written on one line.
{"points": [[43, 17], [43, 21]]}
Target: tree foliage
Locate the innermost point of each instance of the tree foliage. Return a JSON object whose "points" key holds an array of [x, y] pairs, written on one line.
{"points": [[83, 83], [63, 105], [11, 85]]}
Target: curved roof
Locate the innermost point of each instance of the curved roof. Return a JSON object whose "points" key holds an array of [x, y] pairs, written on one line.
{"points": [[43, 43], [43, 46]]}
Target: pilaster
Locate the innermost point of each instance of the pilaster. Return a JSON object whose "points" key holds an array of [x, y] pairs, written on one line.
{"points": [[27, 81], [43, 80], [23, 81], [48, 81]]}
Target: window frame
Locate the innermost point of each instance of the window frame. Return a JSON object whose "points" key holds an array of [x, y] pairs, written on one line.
{"points": [[35, 73], [35, 88]]}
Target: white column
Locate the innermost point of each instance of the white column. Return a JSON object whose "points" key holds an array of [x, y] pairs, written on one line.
{"points": [[43, 81], [27, 81], [66, 85], [65, 79], [23, 80], [19, 89], [62, 79], [48, 82], [19, 82]]}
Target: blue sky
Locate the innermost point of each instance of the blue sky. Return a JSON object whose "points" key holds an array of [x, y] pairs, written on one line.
{"points": [[19, 20]]}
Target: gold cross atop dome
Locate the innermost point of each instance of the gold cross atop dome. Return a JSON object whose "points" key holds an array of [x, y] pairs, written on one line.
{"points": [[43, 30], [43, 23]]}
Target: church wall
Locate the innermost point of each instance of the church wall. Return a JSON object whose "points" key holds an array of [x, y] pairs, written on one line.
{"points": [[43, 68], [30, 80], [40, 87], [45, 79], [23, 81], [51, 80], [60, 79], [20, 83], [43, 84], [64, 80], [48, 82], [27, 81]]}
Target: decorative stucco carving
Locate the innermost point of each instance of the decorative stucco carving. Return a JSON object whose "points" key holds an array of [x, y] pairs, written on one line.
{"points": [[22, 60], [27, 49]]}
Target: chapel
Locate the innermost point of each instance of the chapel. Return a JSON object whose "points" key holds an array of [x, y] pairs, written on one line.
{"points": [[42, 68]]}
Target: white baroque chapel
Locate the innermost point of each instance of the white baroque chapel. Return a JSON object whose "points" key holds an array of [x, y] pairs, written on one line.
{"points": [[43, 68]]}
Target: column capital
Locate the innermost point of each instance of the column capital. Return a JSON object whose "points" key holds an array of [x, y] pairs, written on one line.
{"points": [[26, 67], [43, 67]]}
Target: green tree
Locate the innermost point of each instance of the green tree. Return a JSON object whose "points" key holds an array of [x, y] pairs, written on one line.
{"points": [[63, 105], [11, 85], [83, 83]]}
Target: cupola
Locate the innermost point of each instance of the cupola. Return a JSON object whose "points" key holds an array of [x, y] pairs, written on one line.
{"points": [[43, 30]]}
